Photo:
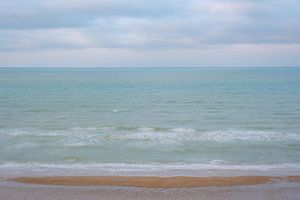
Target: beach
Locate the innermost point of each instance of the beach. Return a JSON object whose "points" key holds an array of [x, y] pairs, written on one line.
{"points": [[151, 181], [149, 100], [121, 187]]}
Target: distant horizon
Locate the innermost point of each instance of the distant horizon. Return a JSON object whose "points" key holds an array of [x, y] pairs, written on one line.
{"points": [[142, 67]]}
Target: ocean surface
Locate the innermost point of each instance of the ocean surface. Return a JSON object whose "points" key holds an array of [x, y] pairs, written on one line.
{"points": [[131, 119]]}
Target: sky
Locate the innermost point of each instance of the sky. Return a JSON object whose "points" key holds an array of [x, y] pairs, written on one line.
{"points": [[149, 33]]}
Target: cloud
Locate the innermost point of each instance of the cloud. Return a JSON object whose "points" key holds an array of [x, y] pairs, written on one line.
{"points": [[34, 14], [146, 24]]}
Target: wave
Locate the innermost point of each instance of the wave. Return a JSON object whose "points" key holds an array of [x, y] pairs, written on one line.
{"points": [[117, 110], [126, 167], [112, 133]]}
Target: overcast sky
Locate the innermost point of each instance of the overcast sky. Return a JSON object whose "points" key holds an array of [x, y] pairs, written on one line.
{"points": [[145, 33]]}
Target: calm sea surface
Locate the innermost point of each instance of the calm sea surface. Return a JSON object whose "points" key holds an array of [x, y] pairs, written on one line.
{"points": [[123, 118]]}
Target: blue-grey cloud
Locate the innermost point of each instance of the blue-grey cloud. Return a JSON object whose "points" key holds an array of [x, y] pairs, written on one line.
{"points": [[42, 25], [146, 24], [34, 14]]}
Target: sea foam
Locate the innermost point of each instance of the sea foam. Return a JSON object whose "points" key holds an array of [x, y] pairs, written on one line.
{"points": [[148, 133]]}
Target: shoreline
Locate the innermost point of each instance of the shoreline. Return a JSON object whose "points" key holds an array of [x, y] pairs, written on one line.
{"points": [[153, 181], [208, 188], [15, 170]]}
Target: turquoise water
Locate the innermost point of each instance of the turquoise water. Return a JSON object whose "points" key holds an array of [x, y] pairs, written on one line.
{"points": [[159, 117]]}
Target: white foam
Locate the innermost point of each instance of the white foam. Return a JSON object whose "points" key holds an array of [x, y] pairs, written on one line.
{"points": [[106, 128], [155, 134], [31, 132], [84, 129], [248, 135], [10, 168], [117, 110], [223, 136], [146, 129], [76, 144], [183, 130], [214, 164], [23, 145]]}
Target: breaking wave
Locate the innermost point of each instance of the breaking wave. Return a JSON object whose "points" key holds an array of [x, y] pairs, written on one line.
{"points": [[111, 133]]}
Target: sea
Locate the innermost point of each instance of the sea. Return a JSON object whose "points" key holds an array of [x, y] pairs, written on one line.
{"points": [[179, 121]]}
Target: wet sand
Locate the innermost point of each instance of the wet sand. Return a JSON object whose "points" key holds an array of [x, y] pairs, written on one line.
{"points": [[153, 182], [278, 189]]}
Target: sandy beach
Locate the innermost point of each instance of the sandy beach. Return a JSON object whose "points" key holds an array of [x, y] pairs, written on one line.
{"points": [[122, 187], [152, 181]]}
